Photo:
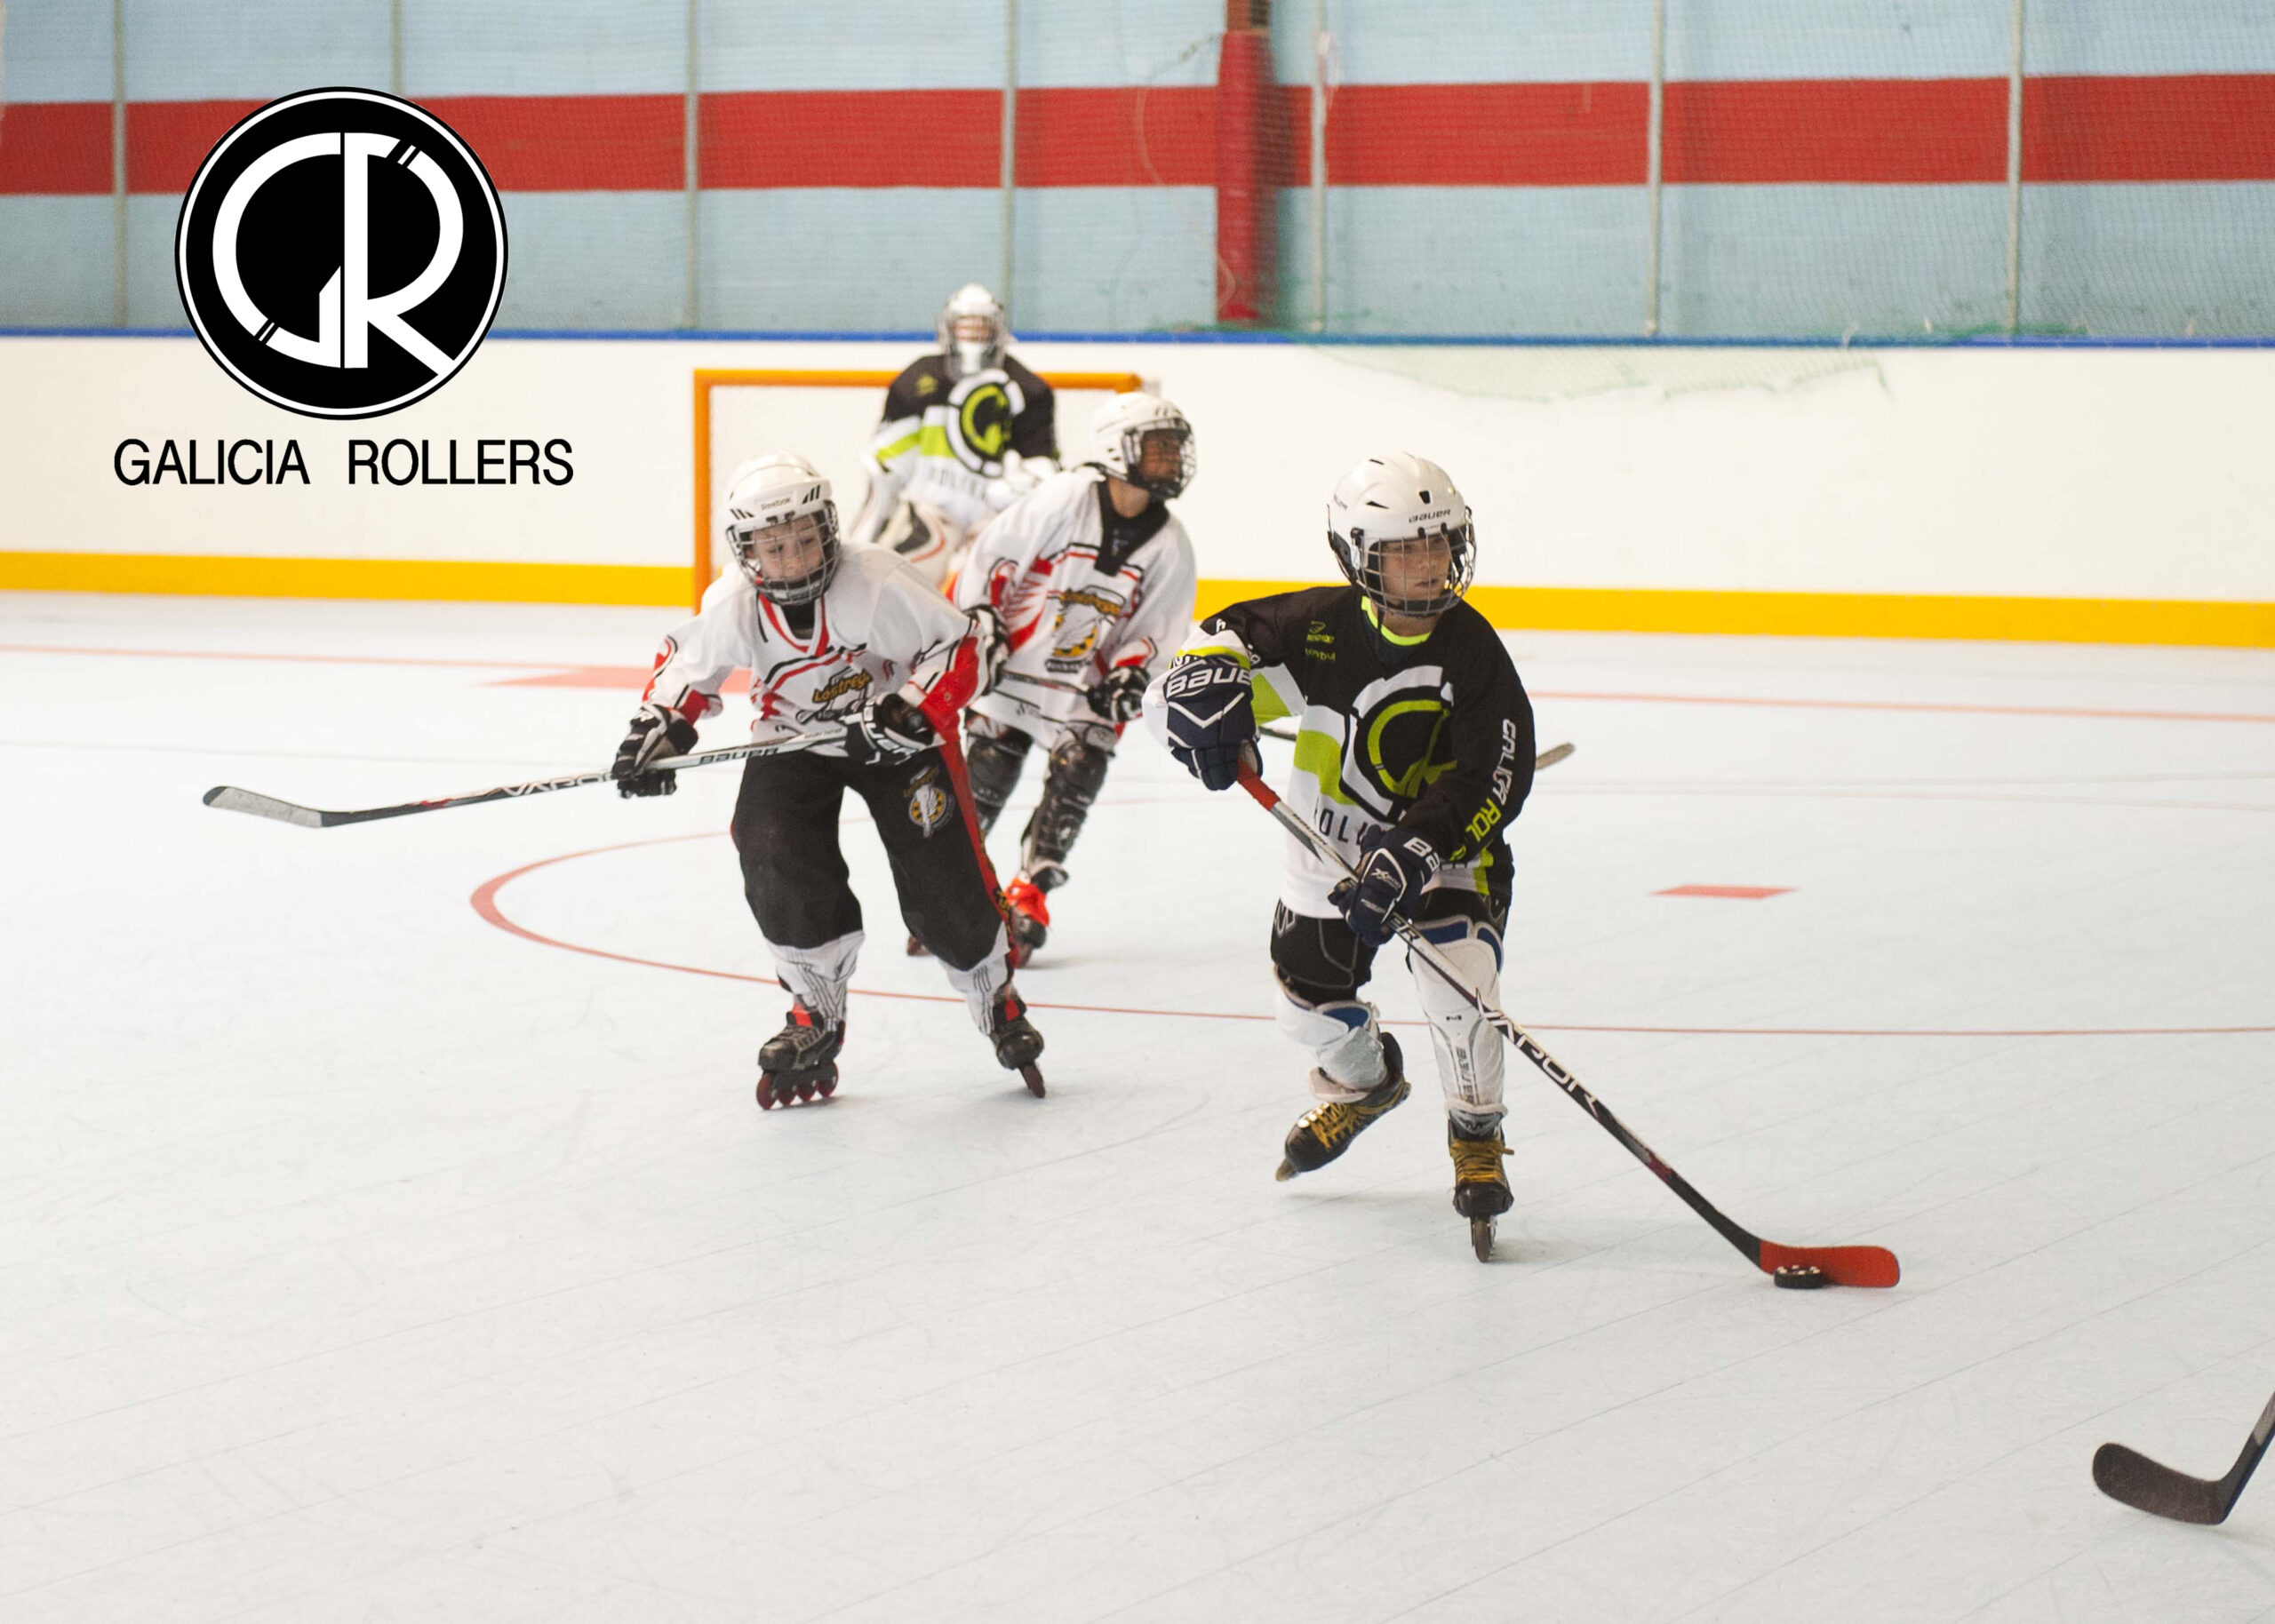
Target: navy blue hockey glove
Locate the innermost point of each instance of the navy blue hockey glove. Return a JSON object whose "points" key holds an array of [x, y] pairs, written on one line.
{"points": [[1121, 696], [1394, 866], [658, 732], [1209, 715], [888, 729]]}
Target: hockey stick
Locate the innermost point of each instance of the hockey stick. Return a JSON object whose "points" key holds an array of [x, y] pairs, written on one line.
{"points": [[1547, 757], [2128, 1476], [1811, 1265], [228, 798]]}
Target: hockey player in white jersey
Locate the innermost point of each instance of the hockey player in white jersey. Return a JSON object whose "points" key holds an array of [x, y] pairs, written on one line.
{"points": [[1091, 578], [966, 431], [851, 636], [1414, 751]]}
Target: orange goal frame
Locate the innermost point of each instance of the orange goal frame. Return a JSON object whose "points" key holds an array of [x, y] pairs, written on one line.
{"points": [[708, 378]]}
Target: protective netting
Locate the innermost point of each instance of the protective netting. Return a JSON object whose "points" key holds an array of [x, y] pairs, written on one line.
{"points": [[1826, 168]]}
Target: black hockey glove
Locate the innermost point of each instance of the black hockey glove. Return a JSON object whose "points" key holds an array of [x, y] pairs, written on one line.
{"points": [[656, 732], [888, 729], [1394, 866], [1209, 716], [992, 644], [1121, 696]]}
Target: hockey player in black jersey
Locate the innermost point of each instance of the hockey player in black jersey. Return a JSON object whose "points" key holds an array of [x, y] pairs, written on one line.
{"points": [[1413, 750], [966, 431]]}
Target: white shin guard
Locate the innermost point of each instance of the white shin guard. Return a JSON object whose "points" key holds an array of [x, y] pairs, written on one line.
{"points": [[1468, 1049], [1342, 1037], [980, 984], [817, 976]]}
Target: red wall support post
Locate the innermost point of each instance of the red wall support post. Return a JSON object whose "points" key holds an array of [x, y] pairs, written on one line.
{"points": [[1248, 171]]}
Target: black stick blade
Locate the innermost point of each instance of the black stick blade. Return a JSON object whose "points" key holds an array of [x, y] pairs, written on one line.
{"points": [[2129, 1476], [230, 798]]}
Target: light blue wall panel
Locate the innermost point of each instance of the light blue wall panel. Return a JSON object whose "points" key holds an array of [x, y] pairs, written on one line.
{"points": [[250, 49], [2150, 261], [1461, 41], [853, 45], [595, 259], [865, 260], [2150, 37], [1893, 261], [1114, 258], [1833, 39], [1118, 41], [1554, 260], [55, 51], [153, 298], [544, 47], [55, 262]]}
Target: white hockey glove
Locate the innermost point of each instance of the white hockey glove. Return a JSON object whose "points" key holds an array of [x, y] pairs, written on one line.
{"points": [[1020, 475], [659, 731], [889, 729]]}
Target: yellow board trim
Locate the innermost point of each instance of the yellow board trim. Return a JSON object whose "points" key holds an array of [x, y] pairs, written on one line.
{"points": [[1812, 614], [427, 579], [2060, 620]]}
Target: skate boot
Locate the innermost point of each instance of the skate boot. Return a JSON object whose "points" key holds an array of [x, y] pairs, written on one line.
{"points": [[1481, 1188], [1026, 916], [800, 1061], [1326, 1131], [1018, 1044]]}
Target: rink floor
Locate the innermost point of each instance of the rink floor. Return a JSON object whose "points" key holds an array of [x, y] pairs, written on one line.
{"points": [[388, 1231]]}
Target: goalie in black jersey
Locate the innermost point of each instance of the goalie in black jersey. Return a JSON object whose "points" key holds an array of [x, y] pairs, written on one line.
{"points": [[1413, 750]]}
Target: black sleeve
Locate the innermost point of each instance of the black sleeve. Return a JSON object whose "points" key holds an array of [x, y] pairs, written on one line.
{"points": [[901, 399], [1035, 432], [1273, 627], [1463, 812]]}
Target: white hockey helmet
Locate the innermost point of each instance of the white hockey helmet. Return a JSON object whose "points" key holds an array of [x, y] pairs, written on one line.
{"points": [[782, 499], [1118, 441], [1400, 498], [972, 331]]}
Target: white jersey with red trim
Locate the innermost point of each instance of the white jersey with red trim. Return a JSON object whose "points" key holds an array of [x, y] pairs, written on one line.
{"points": [[879, 627], [1080, 591]]}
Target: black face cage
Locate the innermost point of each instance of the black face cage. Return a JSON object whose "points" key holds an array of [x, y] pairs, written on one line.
{"points": [[1361, 562], [806, 587], [1133, 459]]}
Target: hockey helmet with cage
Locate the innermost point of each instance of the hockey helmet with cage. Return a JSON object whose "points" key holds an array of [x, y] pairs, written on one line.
{"points": [[1118, 441], [1394, 499], [972, 331], [782, 528]]}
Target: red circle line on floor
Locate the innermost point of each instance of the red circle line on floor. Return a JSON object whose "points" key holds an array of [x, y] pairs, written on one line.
{"points": [[484, 900]]}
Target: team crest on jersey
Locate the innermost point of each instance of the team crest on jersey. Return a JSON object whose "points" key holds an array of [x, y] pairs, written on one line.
{"points": [[1106, 608], [1397, 746], [929, 805], [841, 696]]}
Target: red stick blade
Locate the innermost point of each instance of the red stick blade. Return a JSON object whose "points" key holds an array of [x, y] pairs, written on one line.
{"points": [[1842, 1265]]}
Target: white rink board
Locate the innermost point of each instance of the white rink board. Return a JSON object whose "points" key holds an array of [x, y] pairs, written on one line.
{"points": [[2057, 472], [361, 1258]]}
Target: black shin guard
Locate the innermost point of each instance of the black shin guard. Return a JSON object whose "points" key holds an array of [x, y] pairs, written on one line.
{"points": [[994, 761], [1077, 774]]}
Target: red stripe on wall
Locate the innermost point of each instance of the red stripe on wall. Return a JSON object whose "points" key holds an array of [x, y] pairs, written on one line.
{"points": [[55, 147], [1838, 131], [167, 140], [1476, 134], [2186, 127], [594, 144], [851, 138]]}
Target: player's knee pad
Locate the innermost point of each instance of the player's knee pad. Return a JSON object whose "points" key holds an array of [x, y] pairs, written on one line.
{"points": [[993, 760], [818, 976], [1078, 770], [1468, 1049], [1342, 1036]]}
